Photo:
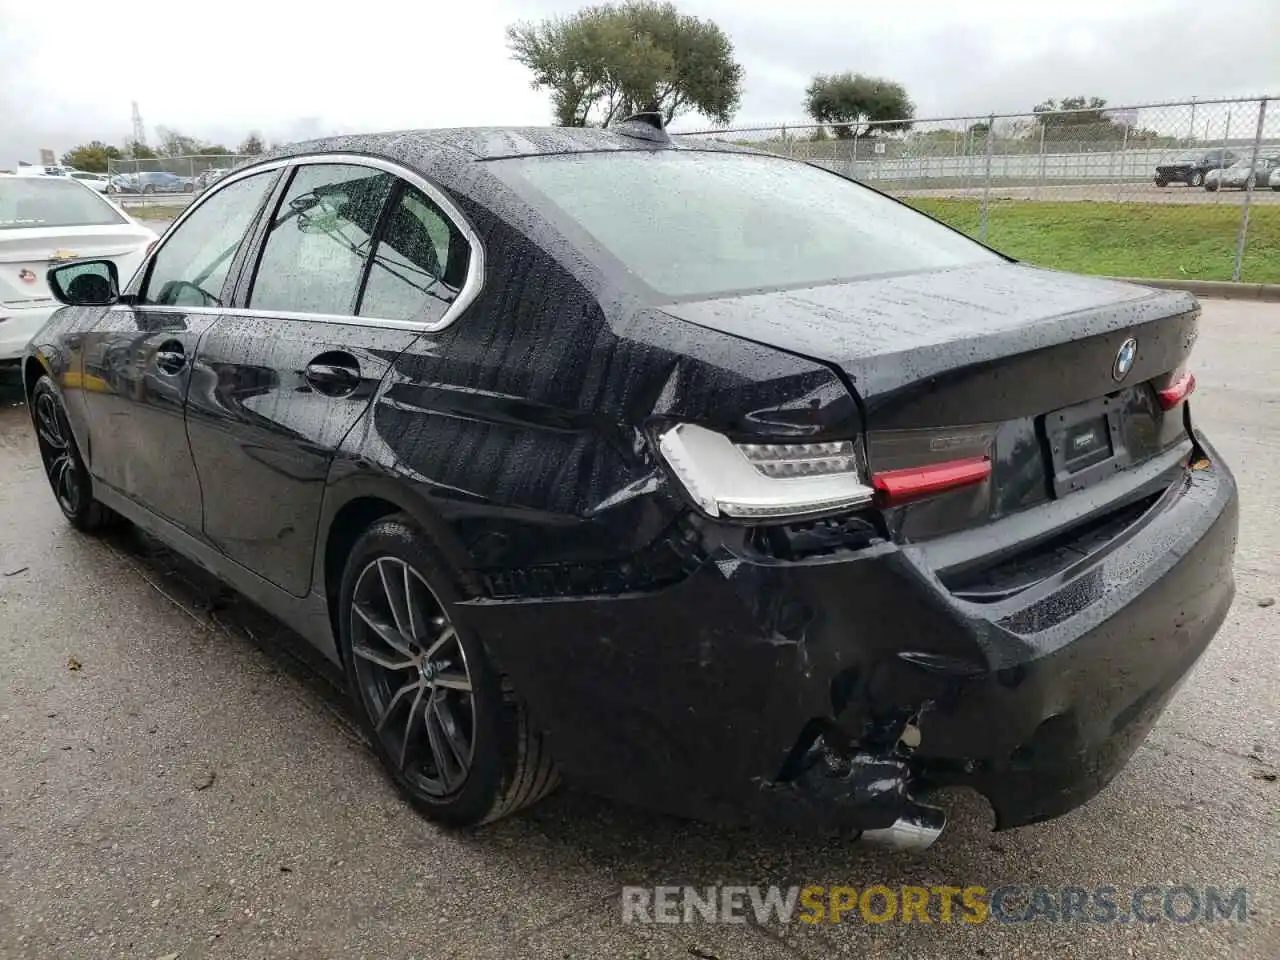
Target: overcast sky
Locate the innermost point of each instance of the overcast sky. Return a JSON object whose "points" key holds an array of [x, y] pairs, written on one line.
{"points": [[217, 69]]}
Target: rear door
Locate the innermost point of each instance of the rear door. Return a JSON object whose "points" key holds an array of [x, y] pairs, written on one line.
{"points": [[353, 265], [138, 356]]}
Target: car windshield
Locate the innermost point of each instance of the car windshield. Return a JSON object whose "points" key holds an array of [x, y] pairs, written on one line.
{"points": [[690, 223], [48, 202]]}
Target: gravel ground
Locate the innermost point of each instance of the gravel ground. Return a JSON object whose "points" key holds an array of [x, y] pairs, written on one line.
{"points": [[181, 778]]}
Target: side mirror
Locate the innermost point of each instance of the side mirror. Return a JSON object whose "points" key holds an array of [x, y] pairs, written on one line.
{"points": [[85, 283]]}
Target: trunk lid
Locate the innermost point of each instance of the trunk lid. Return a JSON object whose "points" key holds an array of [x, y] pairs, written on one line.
{"points": [[27, 254], [1004, 361]]}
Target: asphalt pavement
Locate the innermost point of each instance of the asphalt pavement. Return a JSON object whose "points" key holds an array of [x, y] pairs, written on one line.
{"points": [[181, 778]]}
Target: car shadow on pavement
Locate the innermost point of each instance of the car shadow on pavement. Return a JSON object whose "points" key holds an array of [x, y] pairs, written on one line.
{"points": [[634, 844]]}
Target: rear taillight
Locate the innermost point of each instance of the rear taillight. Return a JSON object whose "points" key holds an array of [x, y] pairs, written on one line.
{"points": [[1182, 386], [896, 487], [762, 481]]}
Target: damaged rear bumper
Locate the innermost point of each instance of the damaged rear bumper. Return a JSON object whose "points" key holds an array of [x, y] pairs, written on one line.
{"points": [[825, 693]]}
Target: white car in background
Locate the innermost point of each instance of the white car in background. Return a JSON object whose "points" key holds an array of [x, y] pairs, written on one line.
{"points": [[1242, 174], [94, 181], [43, 221]]}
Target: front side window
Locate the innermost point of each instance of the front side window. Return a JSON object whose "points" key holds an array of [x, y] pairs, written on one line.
{"points": [[319, 241], [191, 267], [696, 224], [27, 202], [420, 263]]}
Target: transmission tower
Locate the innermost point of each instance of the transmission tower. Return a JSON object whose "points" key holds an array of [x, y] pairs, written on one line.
{"points": [[139, 131]]}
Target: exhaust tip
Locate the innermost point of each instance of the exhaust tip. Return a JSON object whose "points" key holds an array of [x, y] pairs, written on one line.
{"points": [[914, 831]]}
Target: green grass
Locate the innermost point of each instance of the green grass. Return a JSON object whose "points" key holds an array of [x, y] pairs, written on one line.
{"points": [[1157, 240], [153, 211]]}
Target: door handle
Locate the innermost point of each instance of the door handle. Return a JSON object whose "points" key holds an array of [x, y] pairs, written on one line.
{"points": [[171, 357], [334, 375]]}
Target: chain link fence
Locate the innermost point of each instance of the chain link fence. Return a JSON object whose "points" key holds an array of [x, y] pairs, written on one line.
{"points": [[1019, 167], [166, 181]]}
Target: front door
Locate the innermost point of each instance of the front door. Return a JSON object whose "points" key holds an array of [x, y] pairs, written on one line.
{"points": [[139, 359], [354, 265]]}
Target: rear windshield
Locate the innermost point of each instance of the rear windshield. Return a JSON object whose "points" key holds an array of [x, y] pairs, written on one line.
{"points": [[692, 224], [51, 202]]}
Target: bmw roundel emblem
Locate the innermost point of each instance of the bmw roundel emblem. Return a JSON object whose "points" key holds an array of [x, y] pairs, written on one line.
{"points": [[1124, 359]]}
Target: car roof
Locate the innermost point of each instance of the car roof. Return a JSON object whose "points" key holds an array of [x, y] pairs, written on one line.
{"points": [[490, 143]]}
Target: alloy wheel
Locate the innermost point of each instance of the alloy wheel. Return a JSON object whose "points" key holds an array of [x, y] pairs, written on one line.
{"points": [[412, 672], [57, 453]]}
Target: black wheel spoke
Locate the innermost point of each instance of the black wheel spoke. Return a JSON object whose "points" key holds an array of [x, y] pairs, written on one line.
{"points": [[409, 724], [386, 660], [450, 729], [50, 427], [394, 592], [452, 680], [422, 700], [445, 636], [448, 768], [396, 700], [409, 603], [383, 630], [56, 453]]}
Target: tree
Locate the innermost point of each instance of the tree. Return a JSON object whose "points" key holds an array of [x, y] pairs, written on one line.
{"points": [[852, 102], [175, 144], [608, 61], [251, 146], [1085, 118], [136, 150], [91, 156]]}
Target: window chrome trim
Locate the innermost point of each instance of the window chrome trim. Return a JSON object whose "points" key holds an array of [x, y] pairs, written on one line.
{"points": [[471, 287]]}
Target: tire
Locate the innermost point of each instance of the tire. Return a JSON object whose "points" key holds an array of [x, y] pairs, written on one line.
{"points": [[1162, 183], [1197, 178], [1210, 186], [149, 188], [453, 736], [1250, 183], [63, 467]]}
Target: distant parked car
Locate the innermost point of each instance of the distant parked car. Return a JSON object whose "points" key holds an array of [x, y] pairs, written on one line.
{"points": [[209, 177], [161, 181], [1242, 174], [122, 183], [1190, 168], [41, 170], [44, 221], [95, 181]]}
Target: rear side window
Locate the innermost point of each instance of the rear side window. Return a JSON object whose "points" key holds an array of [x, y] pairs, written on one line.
{"points": [[319, 240], [419, 265], [192, 265], [692, 223], [27, 202]]}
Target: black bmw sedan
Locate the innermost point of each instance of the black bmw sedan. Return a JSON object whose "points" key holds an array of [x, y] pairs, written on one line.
{"points": [[1191, 168], [712, 481]]}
